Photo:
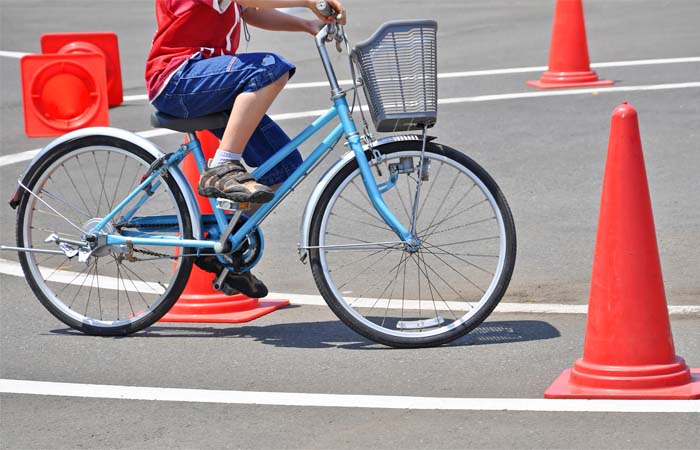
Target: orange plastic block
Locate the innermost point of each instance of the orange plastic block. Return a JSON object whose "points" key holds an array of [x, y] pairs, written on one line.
{"points": [[104, 43], [61, 93]]}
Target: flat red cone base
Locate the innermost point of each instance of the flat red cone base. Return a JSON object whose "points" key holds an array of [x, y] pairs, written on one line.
{"points": [[560, 80], [563, 388], [220, 309]]}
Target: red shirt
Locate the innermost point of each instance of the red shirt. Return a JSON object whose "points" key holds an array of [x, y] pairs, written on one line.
{"points": [[187, 27]]}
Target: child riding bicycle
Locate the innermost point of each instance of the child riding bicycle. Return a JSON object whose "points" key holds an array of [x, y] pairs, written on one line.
{"points": [[193, 69]]}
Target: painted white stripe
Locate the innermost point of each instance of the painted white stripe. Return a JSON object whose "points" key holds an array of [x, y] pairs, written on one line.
{"points": [[135, 98], [18, 157], [13, 54], [555, 93], [646, 62], [341, 401], [29, 154], [536, 308], [13, 268], [479, 73], [67, 277]]}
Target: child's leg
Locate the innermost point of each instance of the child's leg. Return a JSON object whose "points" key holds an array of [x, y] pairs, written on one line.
{"points": [[247, 84], [247, 112]]}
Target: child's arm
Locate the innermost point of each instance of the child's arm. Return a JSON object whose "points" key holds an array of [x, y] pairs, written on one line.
{"points": [[272, 19], [310, 4]]}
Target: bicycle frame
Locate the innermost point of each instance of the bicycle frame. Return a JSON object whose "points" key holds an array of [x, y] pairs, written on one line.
{"points": [[340, 110]]}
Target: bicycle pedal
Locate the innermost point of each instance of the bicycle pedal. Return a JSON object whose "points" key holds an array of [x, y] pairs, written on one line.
{"points": [[226, 204]]}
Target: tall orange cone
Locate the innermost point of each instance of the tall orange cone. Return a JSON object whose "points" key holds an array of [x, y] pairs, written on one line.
{"points": [[628, 349], [200, 302], [569, 65]]}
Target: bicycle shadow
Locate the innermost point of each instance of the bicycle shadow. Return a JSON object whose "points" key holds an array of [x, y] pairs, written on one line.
{"points": [[334, 334]]}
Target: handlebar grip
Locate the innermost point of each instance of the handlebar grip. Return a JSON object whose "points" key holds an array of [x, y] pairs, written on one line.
{"points": [[324, 8]]}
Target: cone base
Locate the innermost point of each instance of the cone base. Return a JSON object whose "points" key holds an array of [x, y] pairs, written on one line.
{"points": [[560, 80], [563, 388], [219, 308]]}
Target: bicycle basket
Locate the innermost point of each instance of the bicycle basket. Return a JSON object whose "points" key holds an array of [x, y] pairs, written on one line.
{"points": [[398, 66]]}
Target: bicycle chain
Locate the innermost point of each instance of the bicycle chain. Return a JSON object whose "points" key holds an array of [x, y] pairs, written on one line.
{"points": [[151, 253]]}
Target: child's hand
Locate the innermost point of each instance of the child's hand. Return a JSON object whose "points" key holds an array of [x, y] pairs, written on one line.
{"points": [[340, 16]]}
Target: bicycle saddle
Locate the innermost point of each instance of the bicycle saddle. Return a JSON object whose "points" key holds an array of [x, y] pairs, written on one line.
{"points": [[208, 122]]}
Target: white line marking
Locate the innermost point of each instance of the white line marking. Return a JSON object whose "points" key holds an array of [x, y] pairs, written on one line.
{"points": [[13, 268], [13, 54], [341, 401], [29, 154], [479, 73], [18, 157], [554, 93], [68, 277], [135, 98]]}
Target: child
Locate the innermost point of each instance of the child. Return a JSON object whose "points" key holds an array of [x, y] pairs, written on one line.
{"points": [[193, 70]]}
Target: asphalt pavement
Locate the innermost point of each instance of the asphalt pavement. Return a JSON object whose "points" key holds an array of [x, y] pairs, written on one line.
{"points": [[547, 153]]}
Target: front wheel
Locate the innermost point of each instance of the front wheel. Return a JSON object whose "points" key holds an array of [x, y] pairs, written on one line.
{"points": [[406, 295]]}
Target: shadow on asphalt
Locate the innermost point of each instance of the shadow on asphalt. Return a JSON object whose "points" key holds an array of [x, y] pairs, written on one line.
{"points": [[328, 334]]}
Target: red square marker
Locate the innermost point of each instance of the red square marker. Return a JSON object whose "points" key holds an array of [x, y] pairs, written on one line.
{"points": [[104, 43], [61, 93]]}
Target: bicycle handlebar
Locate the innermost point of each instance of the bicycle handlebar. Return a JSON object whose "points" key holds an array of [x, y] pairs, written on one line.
{"points": [[324, 8]]}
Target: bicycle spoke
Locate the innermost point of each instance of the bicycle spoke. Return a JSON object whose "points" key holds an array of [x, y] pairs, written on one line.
{"points": [[119, 180], [102, 182], [444, 199], [136, 289], [364, 270], [63, 201], [99, 296], [433, 286], [373, 216], [126, 291], [430, 189], [457, 214], [457, 272], [70, 283], [476, 222], [361, 222], [87, 184], [80, 195]]}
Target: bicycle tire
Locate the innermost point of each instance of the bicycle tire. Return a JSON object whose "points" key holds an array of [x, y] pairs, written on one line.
{"points": [[348, 220], [64, 177]]}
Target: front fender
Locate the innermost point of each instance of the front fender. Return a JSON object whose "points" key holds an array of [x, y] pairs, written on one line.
{"points": [[144, 143], [328, 176]]}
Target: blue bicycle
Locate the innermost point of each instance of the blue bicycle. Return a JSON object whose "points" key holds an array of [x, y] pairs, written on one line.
{"points": [[411, 243]]}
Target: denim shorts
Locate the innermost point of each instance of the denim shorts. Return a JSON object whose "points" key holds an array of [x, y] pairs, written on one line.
{"points": [[209, 85]]}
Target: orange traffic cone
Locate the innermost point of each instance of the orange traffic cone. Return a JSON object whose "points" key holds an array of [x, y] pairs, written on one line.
{"points": [[200, 302], [628, 349], [568, 54], [102, 43], [62, 93]]}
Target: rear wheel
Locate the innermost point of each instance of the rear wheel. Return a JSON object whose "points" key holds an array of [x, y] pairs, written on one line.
{"points": [[119, 289], [414, 296]]}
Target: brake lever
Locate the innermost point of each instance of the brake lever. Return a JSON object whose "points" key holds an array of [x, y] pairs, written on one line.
{"points": [[338, 42]]}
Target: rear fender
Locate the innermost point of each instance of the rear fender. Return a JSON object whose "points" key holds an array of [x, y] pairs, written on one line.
{"points": [[135, 139]]}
